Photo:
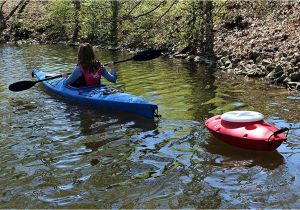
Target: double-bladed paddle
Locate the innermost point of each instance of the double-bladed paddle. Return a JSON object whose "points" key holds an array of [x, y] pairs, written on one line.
{"points": [[141, 56]]}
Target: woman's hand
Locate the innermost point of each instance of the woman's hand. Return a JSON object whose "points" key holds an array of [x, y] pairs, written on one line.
{"points": [[65, 75], [111, 64]]}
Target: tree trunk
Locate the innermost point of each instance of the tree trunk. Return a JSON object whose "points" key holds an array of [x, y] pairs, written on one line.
{"points": [[209, 26], [199, 36], [2, 22], [76, 20], [2, 18], [114, 27], [192, 37]]}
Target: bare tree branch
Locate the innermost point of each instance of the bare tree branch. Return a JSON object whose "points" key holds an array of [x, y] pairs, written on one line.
{"points": [[147, 13], [15, 9], [124, 18], [2, 18], [168, 10], [2, 5], [174, 2], [23, 6], [128, 14]]}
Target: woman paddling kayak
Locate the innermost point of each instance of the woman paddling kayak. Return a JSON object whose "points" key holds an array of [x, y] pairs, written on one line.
{"points": [[89, 70]]}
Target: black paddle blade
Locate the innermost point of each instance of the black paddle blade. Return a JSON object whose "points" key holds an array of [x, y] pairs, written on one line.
{"points": [[21, 85], [147, 55]]}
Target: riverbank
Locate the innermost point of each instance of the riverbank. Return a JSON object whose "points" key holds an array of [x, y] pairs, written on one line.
{"points": [[253, 39], [263, 45]]}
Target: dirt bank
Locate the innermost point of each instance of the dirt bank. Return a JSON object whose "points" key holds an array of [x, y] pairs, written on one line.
{"points": [[261, 40]]}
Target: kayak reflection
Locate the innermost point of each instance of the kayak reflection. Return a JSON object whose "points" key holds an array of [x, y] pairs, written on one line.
{"points": [[106, 126], [237, 157], [94, 121]]}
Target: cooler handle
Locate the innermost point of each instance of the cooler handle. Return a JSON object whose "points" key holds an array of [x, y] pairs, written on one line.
{"points": [[282, 130]]}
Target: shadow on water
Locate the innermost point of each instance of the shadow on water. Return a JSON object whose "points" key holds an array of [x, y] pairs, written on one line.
{"points": [[93, 122], [202, 91], [233, 156]]}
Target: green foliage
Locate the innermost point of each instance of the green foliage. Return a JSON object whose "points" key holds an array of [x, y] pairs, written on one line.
{"points": [[60, 16], [220, 11], [93, 16], [166, 26], [139, 23], [28, 22]]}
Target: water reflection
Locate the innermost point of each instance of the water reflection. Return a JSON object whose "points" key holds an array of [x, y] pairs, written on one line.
{"points": [[297, 97], [94, 122], [202, 91], [59, 155], [252, 94], [229, 156]]}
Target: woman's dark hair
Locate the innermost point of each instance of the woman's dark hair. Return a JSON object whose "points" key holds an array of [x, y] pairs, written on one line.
{"points": [[86, 57]]}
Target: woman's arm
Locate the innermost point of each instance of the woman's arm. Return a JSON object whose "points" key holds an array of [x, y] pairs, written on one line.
{"points": [[110, 76], [74, 76]]}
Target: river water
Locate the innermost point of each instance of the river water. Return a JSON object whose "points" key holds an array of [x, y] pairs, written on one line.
{"points": [[55, 154]]}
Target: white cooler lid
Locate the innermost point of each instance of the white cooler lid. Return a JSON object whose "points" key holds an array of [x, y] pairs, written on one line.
{"points": [[242, 116]]}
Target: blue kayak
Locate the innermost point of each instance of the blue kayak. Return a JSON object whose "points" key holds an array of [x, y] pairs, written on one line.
{"points": [[100, 96]]}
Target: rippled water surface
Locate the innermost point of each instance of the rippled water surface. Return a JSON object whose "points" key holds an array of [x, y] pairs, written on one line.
{"points": [[55, 154]]}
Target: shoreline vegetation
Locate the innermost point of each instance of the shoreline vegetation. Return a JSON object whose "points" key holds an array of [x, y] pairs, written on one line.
{"points": [[251, 38]]}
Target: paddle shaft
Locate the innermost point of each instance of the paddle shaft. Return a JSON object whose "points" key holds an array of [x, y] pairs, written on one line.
{"points": [[48, 78]]}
